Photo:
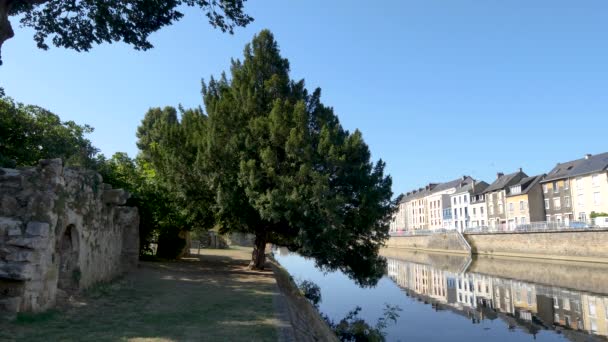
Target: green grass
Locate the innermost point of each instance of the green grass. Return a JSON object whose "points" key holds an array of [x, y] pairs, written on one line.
{"points": [[213, 300]]}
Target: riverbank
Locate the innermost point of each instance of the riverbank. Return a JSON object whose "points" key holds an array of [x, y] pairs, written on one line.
{"points": [[209, 297], [567, 245]]}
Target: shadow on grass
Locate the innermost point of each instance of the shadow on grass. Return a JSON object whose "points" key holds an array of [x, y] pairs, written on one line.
{"points": [[209, 299]]}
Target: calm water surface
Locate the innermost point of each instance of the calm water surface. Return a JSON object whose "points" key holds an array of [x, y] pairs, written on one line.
{"points": [[454, 298]]}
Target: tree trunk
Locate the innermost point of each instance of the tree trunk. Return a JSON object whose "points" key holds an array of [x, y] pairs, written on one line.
{"points": [[258, 257], [6, 30]]}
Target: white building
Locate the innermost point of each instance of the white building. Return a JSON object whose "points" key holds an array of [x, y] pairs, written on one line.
{"points": [[461, 204]]}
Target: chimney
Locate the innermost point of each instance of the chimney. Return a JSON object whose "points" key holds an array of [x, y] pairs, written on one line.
{"points": [[520, 170], [499, 174], [587, 156], [464, 178]]}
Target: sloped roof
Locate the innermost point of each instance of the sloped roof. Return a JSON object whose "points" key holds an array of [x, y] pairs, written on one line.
{"points": [[480, 186], [563, 170], [528, 183], [505, 181], [436, 188], [595, 163], [578, 167]]}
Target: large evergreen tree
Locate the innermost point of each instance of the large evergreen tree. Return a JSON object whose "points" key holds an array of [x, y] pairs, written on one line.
{"points": [[282, 167], [270, 159]]}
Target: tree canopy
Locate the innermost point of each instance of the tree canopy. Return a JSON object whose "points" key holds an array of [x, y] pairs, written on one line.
{"points": [[30, 133], [79, 24], [268, 158]]}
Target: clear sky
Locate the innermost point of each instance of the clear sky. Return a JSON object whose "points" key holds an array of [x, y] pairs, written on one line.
{"points": [[439, 88]]}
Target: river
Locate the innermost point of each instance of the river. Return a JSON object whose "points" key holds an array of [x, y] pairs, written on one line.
{"points": [[454, 298]]}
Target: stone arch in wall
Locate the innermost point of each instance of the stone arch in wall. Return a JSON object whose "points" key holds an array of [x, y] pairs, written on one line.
{"points": [[67, 252]]}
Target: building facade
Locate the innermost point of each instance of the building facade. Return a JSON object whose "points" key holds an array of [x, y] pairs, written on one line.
{"points": [[525, 202], [496, 197]]}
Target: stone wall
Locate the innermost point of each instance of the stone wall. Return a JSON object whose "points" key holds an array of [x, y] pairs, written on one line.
{"points": [[586, 246], [442, 242], [61, 230]]}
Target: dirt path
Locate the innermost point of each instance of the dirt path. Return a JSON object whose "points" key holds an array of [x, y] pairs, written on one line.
{"points": [[209, 297]]}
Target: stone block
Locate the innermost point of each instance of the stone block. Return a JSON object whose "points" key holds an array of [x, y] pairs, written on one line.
{"points": [[10, 304], [8, 205], [14, 231], [38, 229], [115, 196], [24, 255], [16, 271], [7, 223], [29, 242]]}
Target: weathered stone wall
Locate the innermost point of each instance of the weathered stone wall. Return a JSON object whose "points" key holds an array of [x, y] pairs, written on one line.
{"points": [[61, 229], [443, 242], [586, 246], [240, 239]]}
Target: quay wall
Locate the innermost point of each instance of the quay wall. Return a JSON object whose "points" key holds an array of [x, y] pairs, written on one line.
{"points": [[579, 246]]}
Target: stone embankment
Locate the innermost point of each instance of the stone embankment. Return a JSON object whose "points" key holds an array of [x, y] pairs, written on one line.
{"points": [[576, 245], [61, 230]]}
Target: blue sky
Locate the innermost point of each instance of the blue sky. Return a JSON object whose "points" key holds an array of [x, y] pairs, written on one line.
{"points": [[439, 88]]}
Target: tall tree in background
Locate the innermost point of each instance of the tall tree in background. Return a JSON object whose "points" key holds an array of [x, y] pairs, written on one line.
{"points": [[79, 24], [281, 166]]}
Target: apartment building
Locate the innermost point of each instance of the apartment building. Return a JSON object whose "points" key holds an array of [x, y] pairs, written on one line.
{"points": [[479, 212], [525, 202], [425, 206], [496, 195], [557, 192], [460, 202], [589, 186]]}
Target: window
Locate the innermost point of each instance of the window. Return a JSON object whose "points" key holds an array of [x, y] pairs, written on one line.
{"points": [[546, 203], [474, 211], [579, 183], [523, 220], [459, 199], [491, 210], [460, 212], [481, 210], [548, 218], [454, 200], [592, 311], [567, 202], [521, 205], [557, 203], [597, 200], [555, 187], [466, 199], [566, 184], [566, 304], [511, 207], [581, 200], [529, 297], [483, 223], [595, 180], [455, 214], [545, 190], [582, 216], [500, 209]]}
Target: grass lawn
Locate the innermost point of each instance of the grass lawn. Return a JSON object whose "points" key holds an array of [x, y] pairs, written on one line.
{"points": [[210, 297]]}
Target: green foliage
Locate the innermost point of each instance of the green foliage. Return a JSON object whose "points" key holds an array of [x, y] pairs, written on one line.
{"points": [[310, 291], [158, 212], [594, 214], [30, 133], [270, 159], [81, 24], [352, 328]]}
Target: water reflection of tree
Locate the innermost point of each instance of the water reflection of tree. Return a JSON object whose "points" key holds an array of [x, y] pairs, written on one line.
{"points": [[352, 328]]}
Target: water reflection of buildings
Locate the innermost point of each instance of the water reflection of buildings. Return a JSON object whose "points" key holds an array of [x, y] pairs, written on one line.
{"points": [[531, 307]]}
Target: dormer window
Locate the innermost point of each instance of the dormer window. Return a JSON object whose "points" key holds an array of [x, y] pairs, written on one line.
{"points": [[516, 189]]}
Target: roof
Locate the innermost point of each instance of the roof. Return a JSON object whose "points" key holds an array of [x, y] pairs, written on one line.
{"points": [[578, 167], [479, 187], [434, 188], [528, 183], [505, 180], [594, 163]]}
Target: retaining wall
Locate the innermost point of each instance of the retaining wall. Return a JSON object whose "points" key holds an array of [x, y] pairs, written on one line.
{"points": [[583, 245], [442, 242]]}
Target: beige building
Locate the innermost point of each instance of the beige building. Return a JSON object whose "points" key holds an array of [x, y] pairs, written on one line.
{"points": [[423, 208], [589, 186]]}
